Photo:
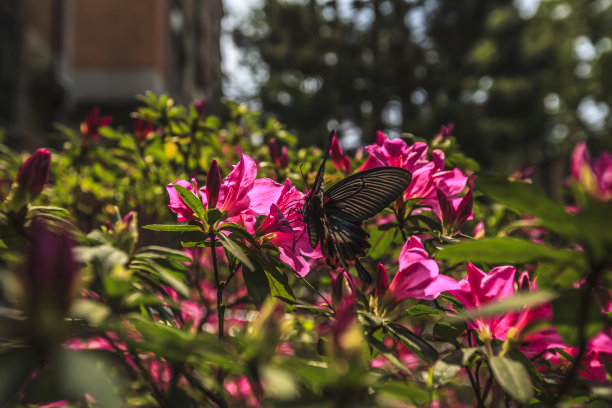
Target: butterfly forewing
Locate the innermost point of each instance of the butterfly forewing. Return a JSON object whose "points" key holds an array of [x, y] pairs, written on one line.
{"points": [[365, 194]]}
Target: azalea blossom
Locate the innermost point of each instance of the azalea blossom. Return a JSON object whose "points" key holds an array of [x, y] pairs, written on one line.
{"points": [[427, 175], [90, 127], [418, 276], [232, 196], [142, 130], [283, 224], [478, 289], [594, 177]]}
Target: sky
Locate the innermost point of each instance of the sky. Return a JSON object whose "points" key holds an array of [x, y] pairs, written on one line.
{"points": [[241, 84]]}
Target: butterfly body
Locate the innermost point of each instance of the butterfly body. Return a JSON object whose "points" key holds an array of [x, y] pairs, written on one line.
{"points": [[335, 217]]}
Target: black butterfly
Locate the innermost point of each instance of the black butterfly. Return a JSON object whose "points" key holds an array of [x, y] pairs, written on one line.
{"points": [[336, 216]]}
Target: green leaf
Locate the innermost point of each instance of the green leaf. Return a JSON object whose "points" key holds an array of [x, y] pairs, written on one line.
{"points": [[193, 202], [569, 316], [176, 280], [414, 342], [279, 284], [168, 227], [257, 285], [406, 392], [233, 248], [419, 310], [174, 254], [513, 378], [509, 304], [60, 212], [83, 373], [558, 276], [449, 328], [380, 241], [523, 198], [447, 368], [16, 366], [507, 250], [267, 281], [238, 230]]}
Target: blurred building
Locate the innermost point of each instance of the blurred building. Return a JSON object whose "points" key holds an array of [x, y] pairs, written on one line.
{"points": [[59, 58]]}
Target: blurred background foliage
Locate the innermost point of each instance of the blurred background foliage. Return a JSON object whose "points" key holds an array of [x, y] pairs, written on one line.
{"points": [[522, 81]]}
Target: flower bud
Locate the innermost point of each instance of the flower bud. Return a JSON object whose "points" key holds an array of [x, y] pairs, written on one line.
{"points": [[213, 184], [34, 173], [200, 107], [340, 161], [382, 281], [273, 150], [93, 122], [51, 272]]}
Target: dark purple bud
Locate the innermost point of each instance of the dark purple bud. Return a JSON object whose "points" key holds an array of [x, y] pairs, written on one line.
{"points": [[52, 270], [283, 161], [465, 209], [213, 184], [34, 173], [382, 281], [200, 107], [273, 151], [446, 208]]}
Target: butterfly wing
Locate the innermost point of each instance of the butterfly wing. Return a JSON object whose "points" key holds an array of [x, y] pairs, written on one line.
{"points": [[344, 242], [365, 194]]}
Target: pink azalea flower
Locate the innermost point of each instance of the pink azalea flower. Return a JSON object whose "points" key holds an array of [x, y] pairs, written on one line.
{"points": [[241, 392], [232, 197], [594, 177], [90, 127], [479, 230], [142, 130], [283, 224], [177, 205], [418, 276], [426, 175], [479, 288], [234, 192], [340, 161]]}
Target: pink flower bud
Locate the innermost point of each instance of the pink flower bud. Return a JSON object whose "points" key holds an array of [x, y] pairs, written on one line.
{"points": [[382, 281], [446, 207], [34, 173], [340, 161], [465, 209], [213, 184], [273, 150], [200, 107], [446, 131], [283, 161]]}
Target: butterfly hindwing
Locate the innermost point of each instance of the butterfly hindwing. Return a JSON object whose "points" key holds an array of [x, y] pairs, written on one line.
{"points": [[365, 194]]}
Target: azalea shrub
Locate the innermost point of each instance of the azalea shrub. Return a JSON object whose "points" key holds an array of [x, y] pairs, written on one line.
{"points": [[168, 264]]}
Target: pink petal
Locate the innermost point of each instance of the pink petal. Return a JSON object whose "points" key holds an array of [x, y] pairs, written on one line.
{"points": [[264, 193]]}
